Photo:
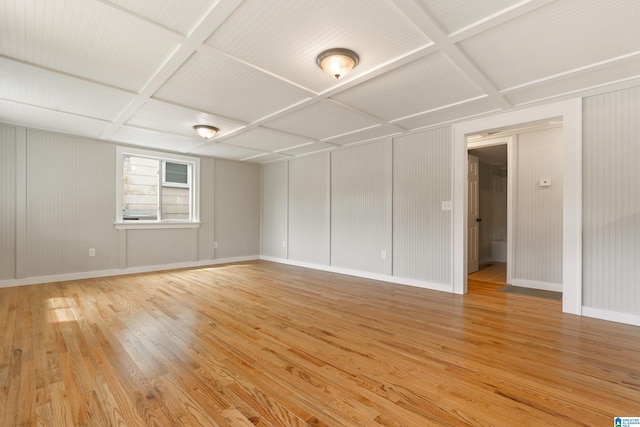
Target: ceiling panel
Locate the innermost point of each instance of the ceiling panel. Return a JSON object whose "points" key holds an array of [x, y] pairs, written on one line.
{"points": [[367, 135], [216, 84], [556, 38], [266, 139], [78, 38], [266, 158], [41, 118], [422, 85], [179, 16], [178, 120], [313, 147], [55, 91], [154, 139], [285, 37], [456, 14], [225, 151], [448, 115], [322, 120], [619, 71]]}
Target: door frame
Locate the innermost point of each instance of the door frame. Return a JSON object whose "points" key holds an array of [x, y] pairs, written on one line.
{"points": [[571, 113], [508, 141]]}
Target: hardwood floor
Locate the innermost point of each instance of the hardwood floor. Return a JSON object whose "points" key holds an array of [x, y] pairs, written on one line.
{"points": [[272, 345], [495, 272]]}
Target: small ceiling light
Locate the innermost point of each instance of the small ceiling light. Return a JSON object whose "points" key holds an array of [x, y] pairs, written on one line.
{"points": [[206, 131], [337, 62]]}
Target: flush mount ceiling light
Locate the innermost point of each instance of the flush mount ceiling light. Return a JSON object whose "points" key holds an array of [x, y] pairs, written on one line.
{"points": [[206, 131], [337, 62]]}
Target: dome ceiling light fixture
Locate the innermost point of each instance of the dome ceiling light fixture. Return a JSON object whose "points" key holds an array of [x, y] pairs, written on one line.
{"points": [[337, 62], [206, 131]]}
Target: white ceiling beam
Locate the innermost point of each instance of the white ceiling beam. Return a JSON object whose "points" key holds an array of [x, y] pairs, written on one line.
{"points": [[498, 18], [423, 20], [209, 23]]}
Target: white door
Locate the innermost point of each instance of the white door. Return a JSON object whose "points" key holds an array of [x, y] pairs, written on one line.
{"points": [[473, 218]]}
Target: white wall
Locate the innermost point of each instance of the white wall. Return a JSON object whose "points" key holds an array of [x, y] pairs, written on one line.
{"points": [[57, 195], [611, 202], [537, 240]]}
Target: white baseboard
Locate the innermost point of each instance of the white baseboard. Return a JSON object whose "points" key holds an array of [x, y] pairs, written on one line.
{"points": [[119, 272], [374, 276], [545, 286], [631, 319]]}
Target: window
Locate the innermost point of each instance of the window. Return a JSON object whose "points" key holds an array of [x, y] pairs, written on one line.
{"points": [[156, 189]]}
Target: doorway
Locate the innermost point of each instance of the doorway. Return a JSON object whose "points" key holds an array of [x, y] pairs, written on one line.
{"points": [[489, 198], [571, 113]]}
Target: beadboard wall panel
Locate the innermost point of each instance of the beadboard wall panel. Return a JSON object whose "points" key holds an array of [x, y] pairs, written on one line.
{"points": [[70, 204], [205, 234], [160, 247], [275, 217], [611, 201], [309, 209], [361, 208], [538, 210], [237, 209], [7, 202], [421, 229]]}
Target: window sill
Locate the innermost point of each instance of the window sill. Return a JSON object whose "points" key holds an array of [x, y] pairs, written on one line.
{"points": [[149, 225]]}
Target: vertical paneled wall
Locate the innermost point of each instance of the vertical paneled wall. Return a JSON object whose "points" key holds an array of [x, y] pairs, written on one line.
{"points": [[237, 209], [611, 201], [421, 229], [70, 204], [485, 253], [7, 202], [309, 217], [361, 208], [205, 233], [538, 209], [57, 200], [275, 194]]}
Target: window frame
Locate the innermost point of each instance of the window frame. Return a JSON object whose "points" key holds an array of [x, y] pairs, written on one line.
{"points": [[193, 180]]}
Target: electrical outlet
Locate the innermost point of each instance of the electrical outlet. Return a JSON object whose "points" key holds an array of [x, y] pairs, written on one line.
{"points": [[92, 251], [284, 243], [215, 245], [383, 254]]}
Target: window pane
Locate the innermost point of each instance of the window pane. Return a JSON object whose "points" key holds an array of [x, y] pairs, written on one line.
{"points": [[176, 173], [175, 203], [140, 188]]}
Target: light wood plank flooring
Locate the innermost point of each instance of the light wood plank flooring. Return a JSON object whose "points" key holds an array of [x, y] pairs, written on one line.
{"points": [[272, 345]]}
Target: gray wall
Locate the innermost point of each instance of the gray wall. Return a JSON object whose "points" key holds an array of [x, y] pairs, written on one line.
{"points": [[611, 201], [309, 209], [275, 216], [486, 212], [384, 196], [421, 229], [236, 209], [361, 208], [8, 153], [57, 200], [537, 240]]}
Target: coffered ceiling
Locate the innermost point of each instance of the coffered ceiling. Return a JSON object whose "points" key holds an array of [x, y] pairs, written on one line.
{"points": [[143, 72]]}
